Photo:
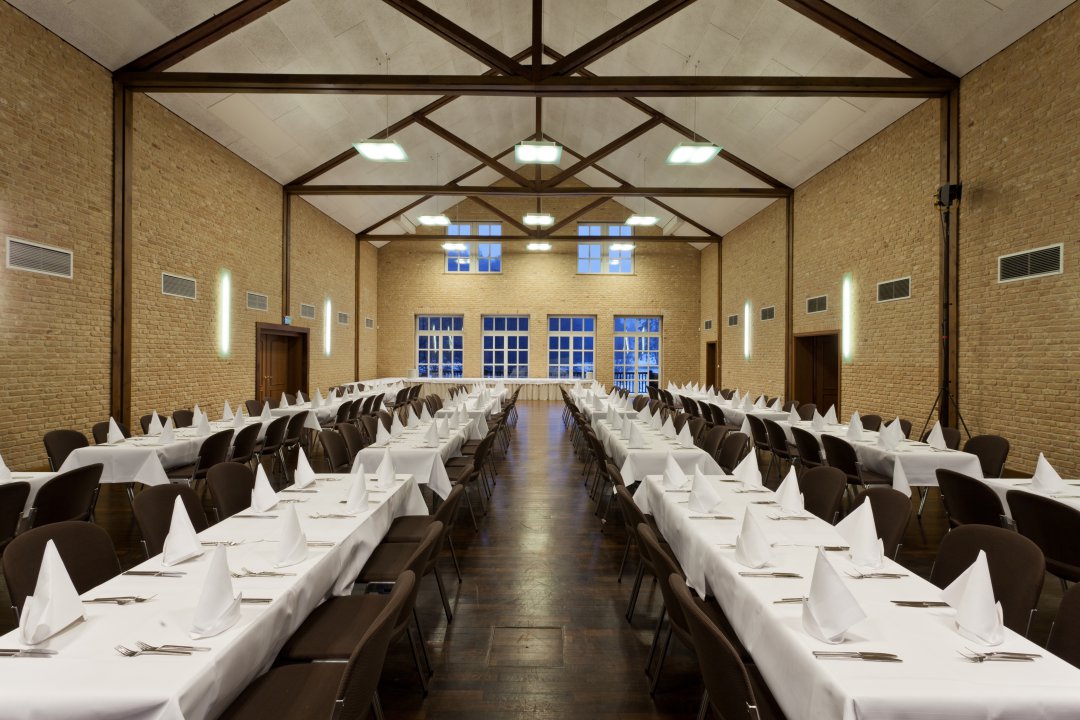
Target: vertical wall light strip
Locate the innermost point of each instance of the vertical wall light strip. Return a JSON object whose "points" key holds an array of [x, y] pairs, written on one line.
{"points": [[746, 331], [846, 329], [224, 313], [327, 328]]}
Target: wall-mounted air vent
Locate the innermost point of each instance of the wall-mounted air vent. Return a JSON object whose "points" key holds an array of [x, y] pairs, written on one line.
{"points": [[768, 313], [369, 323], [307, 312], [343, 318], [178, 286], [1039, 262], [890, 290], [25, 255], [817, 304], [257, 301], [708, 324], [732, 320]]}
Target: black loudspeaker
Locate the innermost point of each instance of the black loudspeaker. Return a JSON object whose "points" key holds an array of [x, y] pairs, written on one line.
{"points": [[949, 194]]}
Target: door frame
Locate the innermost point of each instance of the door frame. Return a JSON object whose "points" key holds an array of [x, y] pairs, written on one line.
{"points": [[839, 361], [262, 329], [715, 366]]}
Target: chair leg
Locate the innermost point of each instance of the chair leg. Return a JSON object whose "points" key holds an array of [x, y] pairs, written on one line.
{"points": [[655, 639], [634, 593], [468, 498], [660, 663], [423, 644], [453, 555], [625, 554], [703, 711], [442, 594], [416, 660], [376, 707]]}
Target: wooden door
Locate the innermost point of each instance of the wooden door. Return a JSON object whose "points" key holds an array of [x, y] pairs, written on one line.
{"points": [[281, 361], [817, 370], [710, 364]]}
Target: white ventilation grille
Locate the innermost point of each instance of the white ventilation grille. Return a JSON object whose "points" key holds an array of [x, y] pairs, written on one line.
{"points": [[890, 290], [343, 318], [768, 313], [708, 324], [257, 301], [307, 312], [178, 286], [1039, 262], [369, 323], [817, 304], [732, 320], [32, 257]]}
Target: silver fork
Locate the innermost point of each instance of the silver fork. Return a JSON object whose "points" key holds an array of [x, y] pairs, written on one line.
{"points": [[128, 652], [171, 648], [120, 599], [996, 656], [875, 575]]}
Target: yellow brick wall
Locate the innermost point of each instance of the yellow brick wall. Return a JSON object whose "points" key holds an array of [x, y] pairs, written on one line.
{"points": [[367, 339], [710, 301], [56, 190]]}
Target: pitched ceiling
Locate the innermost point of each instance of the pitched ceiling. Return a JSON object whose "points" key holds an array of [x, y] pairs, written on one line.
{"points": [[791, 139]]}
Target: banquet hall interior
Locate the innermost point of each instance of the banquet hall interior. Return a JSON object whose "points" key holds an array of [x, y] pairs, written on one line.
{"points": [[489, 359]]}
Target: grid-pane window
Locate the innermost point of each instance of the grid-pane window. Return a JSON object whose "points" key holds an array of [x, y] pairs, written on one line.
{"points": [[589, 257], [637, 352], [506, 346], [439, 346], [571, 346], [613, 258], [483, 256], [489, 257]]}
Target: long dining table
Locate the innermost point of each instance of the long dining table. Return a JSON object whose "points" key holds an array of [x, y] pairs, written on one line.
{"points": [[933, 681], [411, 453], [89, 678], [635, 463], [1069, 496]]}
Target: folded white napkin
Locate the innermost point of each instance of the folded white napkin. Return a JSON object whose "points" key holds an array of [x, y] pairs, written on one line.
{"points": [[854, 428], [431, 437], [745, 428], [685, 438], [196, 413], [668, 428], [1046, 478], [735, 398], [181, 543], [385, 472], [357, 499], [656, 421], [115, 435], [747, 403], [598, 404], [643, 413], [292, 543], [266, 414], [382, 435], [626, 429], [226, 412], [978, 616], [396, 426], [299, 397], [610, 415], [759, 404], [202, 427], [263, 496], [777, 405], [55, 603], [217, 609], [818, 422], [304, 475], [830, 415], [155, 425], [413, 420], [936, 438], [674, 477], [788, 495], [899, 479], [238, 420], [5, 471], [425, 414], [830, 608], [168, 434], [453, 422], [637, 438], [704, 497], [284, 402], [747, 472], [793, 415], [752, 548], [860, 532], [317, 401], [890, 436], [444, 428]]}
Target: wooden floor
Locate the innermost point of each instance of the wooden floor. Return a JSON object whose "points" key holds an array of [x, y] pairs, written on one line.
{"points": [[538, 627]]}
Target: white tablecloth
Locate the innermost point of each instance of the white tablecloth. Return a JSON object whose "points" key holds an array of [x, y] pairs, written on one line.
{"points": [[531, 388], [635, 463], [411, 455], [35, 480], [90, 679], [1001, 486], [933, 681]]}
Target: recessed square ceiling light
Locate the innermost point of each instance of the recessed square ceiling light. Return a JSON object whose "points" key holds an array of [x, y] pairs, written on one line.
{"points": [[433, 220], [538, 219], [695, 153], [538, 153], [384, 150], [642, 220]]}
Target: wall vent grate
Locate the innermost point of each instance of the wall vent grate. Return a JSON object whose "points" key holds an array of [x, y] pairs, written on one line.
{"points": [[817, 304], [257, 301], [178, 286], [899, 289], [708, 324], [732, 320], [33, 257], [307, 312], [343, 318], [369, 323], [768, 313], [1039, 262]]}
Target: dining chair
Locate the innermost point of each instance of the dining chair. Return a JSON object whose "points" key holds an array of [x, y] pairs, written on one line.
{"points": [[183, 418], [294, 436], [100, 431], [85, 548], [1053, 526], [369, 426], [871, 422], [1017, 568], [272, 439], [144, 422], [633, 517], [789, 405], [759, 435], [733, 448], [69, 495], [969, 501], [244, 444], [335, 452], [214, 450], [153, 510], [779, 449], [411, 528], [892, 512], [230, 488], [342, 416], [1064, 640], [697, 428], [386, 418], [992, 451], [328, 690], [952, 437], [61, 443], [354, 439], [841, 454], [711, 439], [808, 448], [253, 407], [806, 411], [823, 489], [905, 427], [13, 497]]}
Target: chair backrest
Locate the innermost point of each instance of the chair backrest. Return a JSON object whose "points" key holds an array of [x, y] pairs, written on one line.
{"points": [[295, 428], [952, 437], [632, 514], [68, 496], [807, 446], [343, 413], [639, 402], [992, 451], [13, 497], [732, 450], [665, 568], [757, 429], [60, 443], [144, 421], [871, 422], [354, 439], [100, 431], [789, 405], [85, 548], [1017, 567], [355, 408], [905, 427], [778, 443], [337, 453], [968, 501], [892, 511], [726, 680], [806, 411], [214, 450], [614, 474], [244, 443], [447, 511], [230, 488], [1065, 634], [275, 434], [711, 439], [697, 425], [370, 426], [823, 489], [153, 508], [254, 408], [841, 455], [678, 420], [183, 418], [1053, 526], [386, 419]]}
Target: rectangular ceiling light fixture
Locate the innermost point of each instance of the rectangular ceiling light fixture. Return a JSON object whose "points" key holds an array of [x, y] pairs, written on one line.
{"points": [[385, 150], [622, 246], [538, 153], [538, 219], [642, 220], [693, 153], [538, 246], [430, 220]]}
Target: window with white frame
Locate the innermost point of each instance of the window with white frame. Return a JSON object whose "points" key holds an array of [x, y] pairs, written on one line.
{"points": [[439, 346], [637, 352], [506, 346], [612, 258], [483, 255], [571, 346]]}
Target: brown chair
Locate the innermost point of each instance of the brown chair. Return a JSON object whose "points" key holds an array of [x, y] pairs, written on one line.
{"points": [[68, 496], [85, 548], [760, 436], [214, 450], [230, 488], [411, 528], [13, 497], [952, 437], [244, 444], [354, 440], [389, 559], [712, 438], [1053, 526], [153, 509], [992, 451], [253, 407], [841, 455], [1065, 633], [905, 427], [633, 517], [1017, 568], [369, 427], [732, 450], [183, 418], [808, 448], [969, 501], [272, 440], [328, 690], [335, 451], [294, 434], [61, 443], [386, 419], [892, 511], [823, 490], [871, 422], [779, 449], [144, 422], [806, 411], [100, 431]]}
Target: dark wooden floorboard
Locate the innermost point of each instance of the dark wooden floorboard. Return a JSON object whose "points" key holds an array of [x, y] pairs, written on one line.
{"points": [[538, 627]]}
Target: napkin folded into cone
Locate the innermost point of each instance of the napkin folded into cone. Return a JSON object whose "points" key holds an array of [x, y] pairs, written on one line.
{"points": [[752, 548], [55, 603], [304, 475], [384, 474], [860, 531], [263, 497], [182, 543], [978, 615], [830, 608], [1046, 478], [674, 477], [292, 543], [789, 496], [704, 497], [217, 609], [747, 472]]}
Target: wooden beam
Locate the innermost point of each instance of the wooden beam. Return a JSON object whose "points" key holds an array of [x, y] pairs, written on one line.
{"points": [[619, 142], [120, 354], [503, 86], [949, 316], [638, 239], [789, 298], [473, 151], [202, 35], [499, 213], [616, 36], [537, 37], [458, 36], [507, 191], [867, 38], [563, 222]]}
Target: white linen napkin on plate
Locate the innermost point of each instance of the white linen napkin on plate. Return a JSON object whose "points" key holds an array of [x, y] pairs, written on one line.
{"points": [[674, 477], [217, 609], [818, 422], [300, 397], [413, 419], [115, 435], [202, 428], [899, 479], [181, 543], [304, 475], [167, 435], [788, 495], [5, 471], [830, 608], [238, 420], [55, 603], [668, 428], [317, 401], [226, 412], [747, 403], [854, 428], [735, 398], [978, 616], [656, 421], [357, 500], [444, 428], [284, 402], [382, 435], [617, 421], [431, 437], [385, 472], [760, 404], [745, 428], [610, 416], [155, 425], [752, 548], [637, 438], [263, 497], [747, 472], [643, 413], [292, 543], [684, 436], [830, 415], [266, 416], [1046, 478], [890, 436], [777, 405], [396, 427], [704, 497], [793, 415], [936, 438], [425, 414], [860, 532], [627, 428]]}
